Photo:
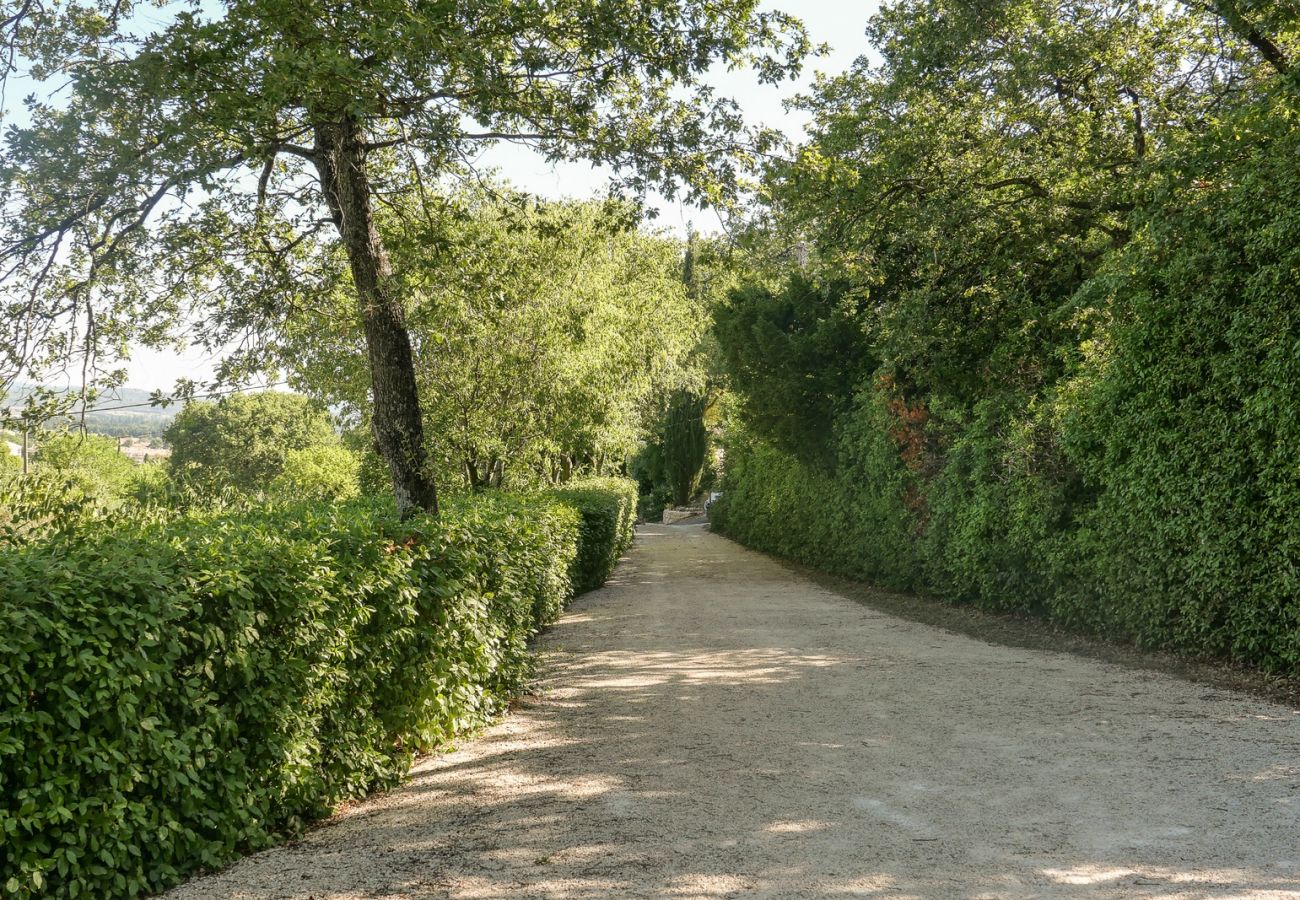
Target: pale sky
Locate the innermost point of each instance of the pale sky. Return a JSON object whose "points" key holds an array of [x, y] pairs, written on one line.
{"points": [[835, 22]]}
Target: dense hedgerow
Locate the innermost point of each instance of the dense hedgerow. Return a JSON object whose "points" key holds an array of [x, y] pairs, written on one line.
{"points": [[1151, 493], [176, 691], [852, 520], [608, 510]]}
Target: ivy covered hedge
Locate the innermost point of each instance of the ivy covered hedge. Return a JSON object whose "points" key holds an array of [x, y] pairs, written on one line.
{"points": [[1150, 494], [174, 692]]}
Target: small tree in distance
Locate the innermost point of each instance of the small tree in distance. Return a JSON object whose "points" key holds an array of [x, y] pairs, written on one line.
{"points": [[685, 444], [91, 461], [244, 441]]}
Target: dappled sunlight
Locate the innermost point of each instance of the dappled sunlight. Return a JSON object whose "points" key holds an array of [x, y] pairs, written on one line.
{"points": [[796, 827], [1087, 875], [868, 886], [681, 747], [1145, 880], [700, 885], [625, 671], [579, 619], [1284, 771]]}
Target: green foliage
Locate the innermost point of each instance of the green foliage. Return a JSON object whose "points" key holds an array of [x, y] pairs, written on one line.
{"points": [[793, 356], [178, 689], [151, 484], [543, 332], [854, 521], [178, 166], [1069, 236], [92, 461], [325, 472], [243, 441], [970, 179], [997, 511], [685, 443], [41, 505], [608, 509], [646, 467], [1183, 416]]}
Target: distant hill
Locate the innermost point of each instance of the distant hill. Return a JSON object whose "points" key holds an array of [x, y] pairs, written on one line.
{"points": [[137, 419]]}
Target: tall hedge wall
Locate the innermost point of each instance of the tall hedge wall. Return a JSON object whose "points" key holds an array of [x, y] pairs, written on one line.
{"points": [[1152, 493], [176, 692]]}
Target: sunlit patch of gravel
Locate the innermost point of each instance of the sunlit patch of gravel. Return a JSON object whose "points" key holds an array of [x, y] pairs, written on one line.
{"points": [[712, 725]]}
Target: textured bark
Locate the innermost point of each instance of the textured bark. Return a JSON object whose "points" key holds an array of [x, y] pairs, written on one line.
{"points": [[340, 157]]}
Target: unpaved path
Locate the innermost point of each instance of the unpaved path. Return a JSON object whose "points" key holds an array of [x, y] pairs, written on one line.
{"points": [[709, 725]]}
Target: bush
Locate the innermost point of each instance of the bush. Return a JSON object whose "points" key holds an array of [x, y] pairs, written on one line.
{"points": [[328, 472], [793, 356], [242, 442], [41, 505], [91, 460], [853, 521], [151, 485], [1151, 494], [1184, 417], [608, 510], [183, 687]]}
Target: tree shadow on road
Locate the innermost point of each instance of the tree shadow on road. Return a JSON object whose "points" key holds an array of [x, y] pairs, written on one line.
{"points": [[702, 729]]}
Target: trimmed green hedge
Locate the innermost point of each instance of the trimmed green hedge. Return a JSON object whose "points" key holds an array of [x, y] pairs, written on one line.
{"points": [[608, 509], [1151, 495], [1106, 436], [179, 691]]}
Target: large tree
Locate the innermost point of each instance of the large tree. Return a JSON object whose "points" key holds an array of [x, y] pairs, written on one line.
{"points": [[541, 330], [971, 177], [195, 165]]}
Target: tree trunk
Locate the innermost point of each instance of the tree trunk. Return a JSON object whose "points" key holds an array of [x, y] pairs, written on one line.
{"points": [[340, 157]]}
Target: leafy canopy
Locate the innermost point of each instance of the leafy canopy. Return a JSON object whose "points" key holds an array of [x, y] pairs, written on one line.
{"points": [[971, 180], [794, 356], [542, 331], [244, 441], [91, 462], [185, 134]]}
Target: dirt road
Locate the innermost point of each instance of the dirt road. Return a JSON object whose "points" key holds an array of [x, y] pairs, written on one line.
{"points": [[709, 725]]}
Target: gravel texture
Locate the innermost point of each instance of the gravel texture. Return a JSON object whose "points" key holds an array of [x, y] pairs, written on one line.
{"points": [[710, 724]]}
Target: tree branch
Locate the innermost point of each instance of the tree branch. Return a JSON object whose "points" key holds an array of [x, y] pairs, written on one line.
{"points": [[1230, 12]]}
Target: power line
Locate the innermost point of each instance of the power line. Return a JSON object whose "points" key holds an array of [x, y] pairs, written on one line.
{"points": [[170, 400]]}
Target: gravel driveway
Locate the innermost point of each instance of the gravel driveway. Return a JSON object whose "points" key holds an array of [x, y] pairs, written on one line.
{"points": [[710, 725]]}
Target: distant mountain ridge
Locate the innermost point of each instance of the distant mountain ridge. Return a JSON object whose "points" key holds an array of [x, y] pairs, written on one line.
{"points": [[120, 412]]}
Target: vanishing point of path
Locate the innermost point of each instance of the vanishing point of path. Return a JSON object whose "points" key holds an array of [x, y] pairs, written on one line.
{"points": [[710, 725]]}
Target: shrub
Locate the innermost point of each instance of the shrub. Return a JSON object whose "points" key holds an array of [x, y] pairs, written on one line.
{"points": [[1184, 418], [793, 357], [327, 472], [685, 444], [608, 510], [41, 505], [91, 460], [178, 688], [853, 521], [150, 484], [242, 441], [1150, 493]]}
